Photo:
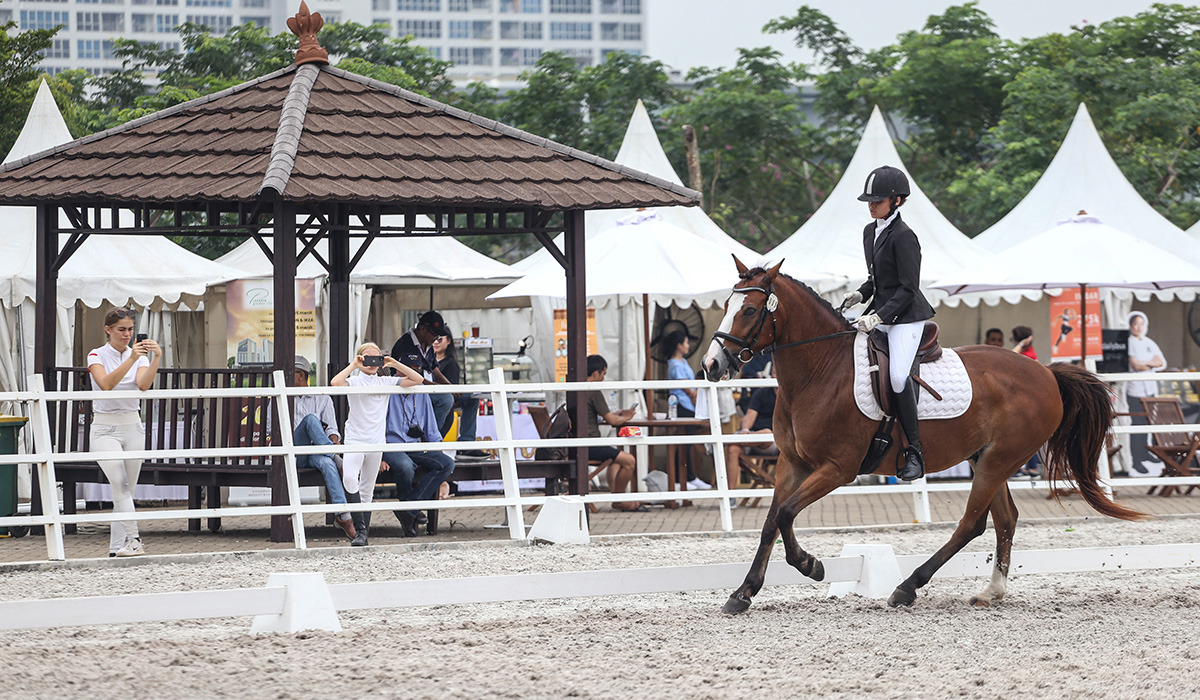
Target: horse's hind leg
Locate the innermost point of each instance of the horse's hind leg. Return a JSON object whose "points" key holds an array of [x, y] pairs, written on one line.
{"points": [[1004, 520], [972, 525]]}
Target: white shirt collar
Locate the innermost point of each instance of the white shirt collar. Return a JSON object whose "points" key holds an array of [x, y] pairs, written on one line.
{"points": [[881, 224]]}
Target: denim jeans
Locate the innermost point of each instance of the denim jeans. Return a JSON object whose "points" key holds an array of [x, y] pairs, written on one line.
{"points": [[443, 404], [309, 432], [438, 467], [470, 415]]}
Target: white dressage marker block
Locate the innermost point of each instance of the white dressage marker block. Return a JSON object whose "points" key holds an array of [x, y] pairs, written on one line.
{"points": [[307, 606], [562, 520], [880, 572]]}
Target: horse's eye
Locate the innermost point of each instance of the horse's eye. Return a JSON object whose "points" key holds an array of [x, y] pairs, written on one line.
{"points": [[750, 311]]}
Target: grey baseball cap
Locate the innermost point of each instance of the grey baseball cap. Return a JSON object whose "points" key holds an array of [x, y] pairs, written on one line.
{"points": [[303, 364]]}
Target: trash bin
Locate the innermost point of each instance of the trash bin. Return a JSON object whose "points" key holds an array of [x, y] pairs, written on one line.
{"points": [[10, 428]]}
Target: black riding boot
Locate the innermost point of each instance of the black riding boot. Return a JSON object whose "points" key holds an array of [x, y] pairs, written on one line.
{"points": [[913, 466], [360, 519]]}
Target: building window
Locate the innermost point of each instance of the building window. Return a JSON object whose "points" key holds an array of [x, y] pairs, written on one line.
{"points": [[631, 31], [89, 48], [165, 24], [570, 31], [481, 57], [61, 48], [530, 57], [170, 46], [458, 5], [380, 5], [419, 5], [583, 57], [631, 7], [209, 3], [481, 30], [531, 6], [460, 29], [254, 3], [481, 5], [113, 2], [420, 28], [610, 31], [5, 16], [510, 57], [571, 7], [217, 24], [113, 22], [42, 19], [141, 23], [531, 30], [510, 31], [82, 2], [460, 55], [610, 7], [164, 3], [87, 22], [260, 22]]}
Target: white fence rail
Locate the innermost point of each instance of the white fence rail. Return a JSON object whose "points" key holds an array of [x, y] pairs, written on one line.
{"points": [[293, 602], [44, 456]]}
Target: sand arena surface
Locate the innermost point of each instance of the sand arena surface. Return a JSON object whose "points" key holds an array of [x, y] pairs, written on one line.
{"points": [[1101, 635]]}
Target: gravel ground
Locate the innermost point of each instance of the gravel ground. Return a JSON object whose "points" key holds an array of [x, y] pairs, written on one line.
{"points": [[1101, 635]]}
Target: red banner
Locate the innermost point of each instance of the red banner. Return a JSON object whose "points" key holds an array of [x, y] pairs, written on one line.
{"points": [[1067, 328]]}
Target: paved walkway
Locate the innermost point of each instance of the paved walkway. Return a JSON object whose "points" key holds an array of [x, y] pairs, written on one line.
{"points": [[480, 524]]}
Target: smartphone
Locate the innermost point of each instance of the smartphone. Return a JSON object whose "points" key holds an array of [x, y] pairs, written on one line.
{"points": [[141, 337], [372, 360]]}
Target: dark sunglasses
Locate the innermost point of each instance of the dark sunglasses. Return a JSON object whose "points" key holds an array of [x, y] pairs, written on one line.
{"points": [[123, 313]]}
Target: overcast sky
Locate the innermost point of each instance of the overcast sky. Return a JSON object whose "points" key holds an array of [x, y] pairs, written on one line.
{"points": [[688, 33]]}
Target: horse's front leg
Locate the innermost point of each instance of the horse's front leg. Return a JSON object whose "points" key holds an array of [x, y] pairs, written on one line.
{"points": [[822, 481], [739, 600]]}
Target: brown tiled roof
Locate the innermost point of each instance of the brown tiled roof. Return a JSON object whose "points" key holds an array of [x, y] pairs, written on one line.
{"points": [[341, 138]]}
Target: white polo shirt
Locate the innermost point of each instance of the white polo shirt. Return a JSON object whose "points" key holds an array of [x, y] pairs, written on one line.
{"points": [[107, 357], [367, 422]]}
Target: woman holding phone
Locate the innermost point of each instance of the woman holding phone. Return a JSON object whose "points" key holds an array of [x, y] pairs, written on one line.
{"points": [[366, 424], [120, 365]]}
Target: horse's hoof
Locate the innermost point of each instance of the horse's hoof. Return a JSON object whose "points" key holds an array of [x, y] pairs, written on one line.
{"points": [[981, 602], [737, 604], [818, 570], [902, 597]]}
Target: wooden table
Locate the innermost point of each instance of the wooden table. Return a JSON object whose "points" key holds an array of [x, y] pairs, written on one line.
{"points": [[676, 476]]}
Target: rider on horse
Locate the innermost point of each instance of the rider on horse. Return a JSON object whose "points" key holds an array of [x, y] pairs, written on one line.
{"points": [[897, 306]]}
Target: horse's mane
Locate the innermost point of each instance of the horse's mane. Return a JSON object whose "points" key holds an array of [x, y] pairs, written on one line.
{"points": [[821, 302]]}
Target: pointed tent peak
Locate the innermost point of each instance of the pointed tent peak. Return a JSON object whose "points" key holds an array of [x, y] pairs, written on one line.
{"points": [[641, 148], [306, 25], [44, 128]]}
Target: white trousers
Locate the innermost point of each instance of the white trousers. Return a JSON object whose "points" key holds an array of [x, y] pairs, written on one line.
{"points": [[903, 341], [359, 471], [117, 432]]}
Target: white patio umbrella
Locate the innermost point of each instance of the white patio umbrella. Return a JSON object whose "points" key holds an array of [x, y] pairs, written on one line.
{"points": [[1079, 252]]}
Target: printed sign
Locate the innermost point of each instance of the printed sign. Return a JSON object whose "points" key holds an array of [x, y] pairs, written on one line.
{"points": [[1066, 325], [560, 341], [250, 321]]}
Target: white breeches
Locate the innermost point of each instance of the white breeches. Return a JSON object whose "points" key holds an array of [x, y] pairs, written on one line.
{"points": [[359, 471], [118, 432], [903, 341]]}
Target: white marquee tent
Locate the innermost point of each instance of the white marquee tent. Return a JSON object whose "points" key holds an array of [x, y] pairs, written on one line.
{"points": [[831, 240]]}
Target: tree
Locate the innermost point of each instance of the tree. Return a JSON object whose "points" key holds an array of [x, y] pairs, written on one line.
{"points": [[20, 55]]}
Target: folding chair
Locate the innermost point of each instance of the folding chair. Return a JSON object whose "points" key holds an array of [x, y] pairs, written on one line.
{"points": [[760, 470], [1176, 450]]}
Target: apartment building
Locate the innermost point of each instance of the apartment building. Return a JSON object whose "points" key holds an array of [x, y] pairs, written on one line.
{"points": [[487, 40]]}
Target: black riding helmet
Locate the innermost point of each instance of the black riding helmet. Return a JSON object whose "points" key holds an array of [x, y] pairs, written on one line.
{"points": [[883, 183]]}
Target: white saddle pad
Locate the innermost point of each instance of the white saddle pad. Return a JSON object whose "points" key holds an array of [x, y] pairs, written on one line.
{"points": [[947, 376]]}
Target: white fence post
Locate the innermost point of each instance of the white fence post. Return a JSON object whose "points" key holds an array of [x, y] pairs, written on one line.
{"points": [[502, 412], [723, 485], [921, 512], [289, 459], [47, 480]]}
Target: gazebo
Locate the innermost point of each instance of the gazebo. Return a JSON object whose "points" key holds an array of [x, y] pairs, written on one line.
{"points": [[312, 153]]}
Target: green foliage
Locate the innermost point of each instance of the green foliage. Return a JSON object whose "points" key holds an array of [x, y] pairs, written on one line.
{"points": [[20, 55]]}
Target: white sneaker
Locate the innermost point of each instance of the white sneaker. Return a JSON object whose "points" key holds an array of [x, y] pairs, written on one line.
{"points": [[733, 503], [699, 484], [131, 548]]}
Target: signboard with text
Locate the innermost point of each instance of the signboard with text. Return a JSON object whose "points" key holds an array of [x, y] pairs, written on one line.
{"points": [[1066, 325], [560, 341], [250, 321]]}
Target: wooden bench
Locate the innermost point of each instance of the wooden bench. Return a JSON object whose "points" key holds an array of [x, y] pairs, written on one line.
{"points": [[180, 423]]}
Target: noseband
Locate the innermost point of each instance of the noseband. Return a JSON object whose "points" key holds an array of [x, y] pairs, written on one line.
{"points": [[747, 352]]}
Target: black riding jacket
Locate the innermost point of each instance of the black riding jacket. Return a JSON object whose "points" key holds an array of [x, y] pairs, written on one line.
{"points": [[893, 283]]}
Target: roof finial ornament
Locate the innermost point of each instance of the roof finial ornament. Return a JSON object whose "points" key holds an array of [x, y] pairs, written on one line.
{"points": [[306, 25]]}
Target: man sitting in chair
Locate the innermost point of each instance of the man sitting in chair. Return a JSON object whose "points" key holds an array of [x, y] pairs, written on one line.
{"points": [[758, 419], [621, 464]]}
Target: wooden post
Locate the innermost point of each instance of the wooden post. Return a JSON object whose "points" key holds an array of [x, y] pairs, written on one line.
{"points": [[695, 181], [285, 345], [45, 337], [577, 336]]}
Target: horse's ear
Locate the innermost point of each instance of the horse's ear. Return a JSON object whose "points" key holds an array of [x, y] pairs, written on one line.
{"points": [[774, 271], [742, 269]]}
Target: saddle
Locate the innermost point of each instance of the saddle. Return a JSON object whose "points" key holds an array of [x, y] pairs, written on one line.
{"points": [[930, 350]]}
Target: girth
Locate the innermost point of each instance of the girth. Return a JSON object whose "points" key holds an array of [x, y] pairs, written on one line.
{"points": [[930, 350]]}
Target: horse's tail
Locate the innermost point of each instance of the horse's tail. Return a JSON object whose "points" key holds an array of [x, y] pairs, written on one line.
{"points": [[1073, 452]]}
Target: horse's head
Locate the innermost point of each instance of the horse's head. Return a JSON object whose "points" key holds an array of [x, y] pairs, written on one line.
{"points": [[746, 328]]}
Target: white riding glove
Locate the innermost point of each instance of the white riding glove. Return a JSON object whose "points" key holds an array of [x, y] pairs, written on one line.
{"points": [[851, 299], [867, 323]]}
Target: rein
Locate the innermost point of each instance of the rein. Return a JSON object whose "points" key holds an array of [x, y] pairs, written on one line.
{"points": [[769, 308]]}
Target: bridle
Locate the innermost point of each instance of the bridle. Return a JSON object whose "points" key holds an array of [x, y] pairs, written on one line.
{"points": [[747, 351]]}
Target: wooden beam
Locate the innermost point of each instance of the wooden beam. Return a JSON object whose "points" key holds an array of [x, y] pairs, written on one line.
{"points": [[577, 337], [285, 344]]}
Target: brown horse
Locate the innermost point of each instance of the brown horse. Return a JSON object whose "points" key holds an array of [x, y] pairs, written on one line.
{"points": [[1018, 405]]}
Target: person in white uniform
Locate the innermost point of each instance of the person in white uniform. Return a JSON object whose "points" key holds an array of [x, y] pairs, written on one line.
{"points": [[366, 424], [896, 305], [1144, 356], [120, 365]]}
